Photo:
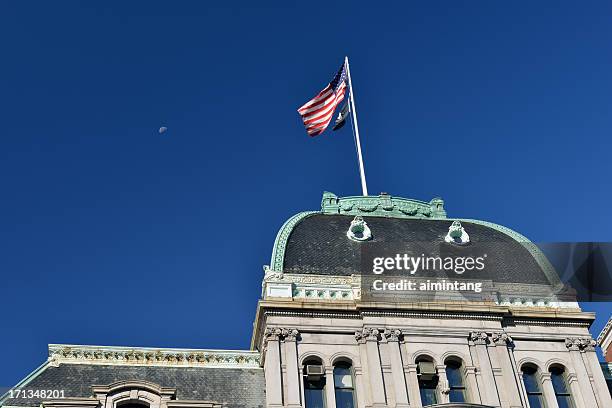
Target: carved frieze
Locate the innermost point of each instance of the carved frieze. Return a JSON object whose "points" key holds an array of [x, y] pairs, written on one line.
{"points": [[130, 356]]}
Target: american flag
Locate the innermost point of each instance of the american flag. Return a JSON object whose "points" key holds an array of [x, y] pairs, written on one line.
{"points": [[317, 112]]}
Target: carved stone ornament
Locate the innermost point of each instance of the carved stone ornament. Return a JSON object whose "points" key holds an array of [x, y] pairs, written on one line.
{"points": [[59, 353], [580, 344], [478, 337], [277, 334], [359, 230], [272, 334], [501, 338], [457, 235], [290, 334], [392, 334], [367, 334]]}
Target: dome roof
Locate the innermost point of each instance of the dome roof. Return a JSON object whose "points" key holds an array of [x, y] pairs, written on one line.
{"points": [[317, 242]]}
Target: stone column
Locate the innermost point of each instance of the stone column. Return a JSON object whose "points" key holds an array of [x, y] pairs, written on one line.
{"points": [[414, 394], [486, 382], [599, 382], [272, 368], [548, 392], [397, 368], [293, 397], [582, 390], [330, 389], [506, 380], [374, 368], [443, 387]]}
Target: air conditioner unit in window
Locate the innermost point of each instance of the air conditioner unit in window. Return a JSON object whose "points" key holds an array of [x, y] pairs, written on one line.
{"points": [[427, 370], [314, 372]]}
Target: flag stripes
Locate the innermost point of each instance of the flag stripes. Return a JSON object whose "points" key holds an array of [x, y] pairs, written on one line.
{"points": [[318, 112]]}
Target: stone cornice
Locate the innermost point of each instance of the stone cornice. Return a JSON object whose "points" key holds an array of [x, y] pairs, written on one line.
{"points": [[78, 354], [605, 337]]}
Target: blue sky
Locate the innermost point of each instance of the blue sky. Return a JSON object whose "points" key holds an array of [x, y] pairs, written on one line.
{"points": [[114, 234]]}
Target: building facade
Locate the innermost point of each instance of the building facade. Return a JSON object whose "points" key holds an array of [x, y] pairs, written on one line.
{"points": [[605, 342], [320, 339]]}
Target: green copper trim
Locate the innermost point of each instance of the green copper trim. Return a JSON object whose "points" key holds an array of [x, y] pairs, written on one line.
{"points": [[386, 205], [533, 249], [24, 382], [383, 205], [280, 243]]}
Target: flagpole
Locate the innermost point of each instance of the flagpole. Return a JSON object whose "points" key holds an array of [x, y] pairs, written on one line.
{"points": [[364, 186]]}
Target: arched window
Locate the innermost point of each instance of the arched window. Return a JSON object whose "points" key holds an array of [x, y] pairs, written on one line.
{"points": [[344, 385], [314, 383], [428, 380], [455, 381], [559, 383], [532, 386]]}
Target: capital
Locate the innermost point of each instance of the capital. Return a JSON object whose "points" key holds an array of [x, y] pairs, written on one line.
{"points": [[392, 334], [367, 334], [581, 344], [501, 338], [478, 337], [290, 334]]}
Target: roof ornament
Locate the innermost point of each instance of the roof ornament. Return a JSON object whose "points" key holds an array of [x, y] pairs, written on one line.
{"points": [[457, 235], [359, 230]]}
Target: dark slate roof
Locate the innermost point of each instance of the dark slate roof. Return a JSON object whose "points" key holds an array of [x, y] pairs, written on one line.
{"points": [[318, 245], [237, 387]]}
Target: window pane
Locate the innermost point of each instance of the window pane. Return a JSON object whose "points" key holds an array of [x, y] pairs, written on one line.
{"points": [[453, 374], [428, 396], [344, 398], [564, 401], [457, 396], [558, 381], [535, 401], [343, 380], [531, 384], [314, 398]]}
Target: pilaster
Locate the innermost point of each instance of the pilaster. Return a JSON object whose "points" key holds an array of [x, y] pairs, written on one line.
{"points": [[507, 385], [272, 368], [370, 336], [486, 383], [600, 387], [293, 397], [397, 368], [579, 377]]}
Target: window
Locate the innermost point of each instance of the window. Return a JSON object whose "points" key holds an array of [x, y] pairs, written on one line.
{"points": [[344, 386], [532, 386], [559, 383], [314, 384], [428, 381], [455, 381]]}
